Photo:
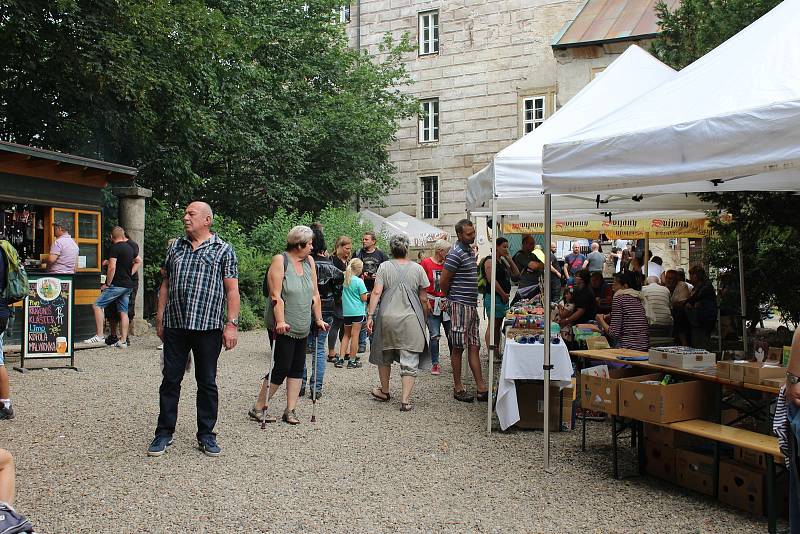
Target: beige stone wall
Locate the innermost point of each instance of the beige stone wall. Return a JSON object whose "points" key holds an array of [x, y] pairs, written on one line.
{"points": [[576, 66], [492, 54]]}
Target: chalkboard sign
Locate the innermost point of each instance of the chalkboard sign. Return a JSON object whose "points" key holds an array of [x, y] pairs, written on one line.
{"points": [[47, 331]]}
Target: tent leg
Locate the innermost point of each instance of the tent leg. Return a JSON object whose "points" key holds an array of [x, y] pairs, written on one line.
{"points": [[742, 294], [492, 319], [547, 312], [645, 268]]}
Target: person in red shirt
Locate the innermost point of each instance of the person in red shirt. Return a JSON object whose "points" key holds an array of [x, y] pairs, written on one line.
{"points": [[438, 317]]}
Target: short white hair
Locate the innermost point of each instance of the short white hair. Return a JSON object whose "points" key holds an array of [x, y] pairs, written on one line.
{"points": [[442, 244], [299, 236]]}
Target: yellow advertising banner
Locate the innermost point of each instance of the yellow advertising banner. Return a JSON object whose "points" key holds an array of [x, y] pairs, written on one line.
{"points": [[657, 228]]}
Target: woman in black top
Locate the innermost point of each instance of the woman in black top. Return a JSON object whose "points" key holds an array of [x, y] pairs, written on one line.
{"points": [[342, 254], [506, 269]]}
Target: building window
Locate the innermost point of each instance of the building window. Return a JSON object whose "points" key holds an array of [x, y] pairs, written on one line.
{"points": [[429, 188], [84, 227], [429, 33], [429, 121], [344, 13], [533, 113]]}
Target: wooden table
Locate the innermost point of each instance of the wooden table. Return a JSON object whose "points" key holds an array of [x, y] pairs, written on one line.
{"points": [[708, 375]]}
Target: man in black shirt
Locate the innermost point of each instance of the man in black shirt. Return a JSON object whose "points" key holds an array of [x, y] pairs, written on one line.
{"points": [[121, 258], [372, 258], [585, 305], [111, 311]]}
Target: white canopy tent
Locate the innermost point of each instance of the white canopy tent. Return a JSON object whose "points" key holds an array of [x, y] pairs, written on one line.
{"points": [[419, 233], [730, 121], [511, 183], [513, 177]]}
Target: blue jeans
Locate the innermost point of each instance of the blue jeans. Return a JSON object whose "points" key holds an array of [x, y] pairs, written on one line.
{"points": [[322, 356], [114, 293], [435, 323], [362, 335]]}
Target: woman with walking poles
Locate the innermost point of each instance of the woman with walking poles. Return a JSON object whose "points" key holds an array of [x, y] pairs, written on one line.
{"points": [[400, 329], [294, 297]]}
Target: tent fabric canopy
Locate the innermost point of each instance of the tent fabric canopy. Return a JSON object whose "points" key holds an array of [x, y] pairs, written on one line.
{"points": [[514, 175], [730, 121], [419, 233]]}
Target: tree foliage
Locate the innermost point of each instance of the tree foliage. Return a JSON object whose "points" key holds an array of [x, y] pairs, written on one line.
{"points": [[252, 105], [767, 222]]}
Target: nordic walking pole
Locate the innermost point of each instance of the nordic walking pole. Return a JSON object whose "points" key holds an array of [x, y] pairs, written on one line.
{"points": [[315, 333], [271, 361]]}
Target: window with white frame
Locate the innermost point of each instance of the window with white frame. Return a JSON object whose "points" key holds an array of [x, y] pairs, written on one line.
{"points": [[429, 121], [428, 33], [429, 193], [344, 13], [533, 113]]}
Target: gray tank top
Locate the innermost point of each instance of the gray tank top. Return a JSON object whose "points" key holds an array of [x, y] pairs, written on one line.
{"points": [[297, 294]]}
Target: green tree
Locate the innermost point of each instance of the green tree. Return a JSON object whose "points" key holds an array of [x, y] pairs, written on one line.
{"points": [[252, 105], [766, 222]]}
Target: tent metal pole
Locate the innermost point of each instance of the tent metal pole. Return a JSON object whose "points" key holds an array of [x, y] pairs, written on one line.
{"points": [[645, 268], [546, 305], [742, 294], [492, 301]]}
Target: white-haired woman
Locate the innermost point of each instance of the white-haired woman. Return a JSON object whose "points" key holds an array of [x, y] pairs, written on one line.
{"points": [[294, 297], [437, 318], [399, 329]]}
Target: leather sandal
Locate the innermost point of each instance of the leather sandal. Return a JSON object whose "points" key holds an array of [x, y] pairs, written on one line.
{"points": [[289, 416], [482, 396], [379, 395], [255, 415], [406, 406], [463, 396]]}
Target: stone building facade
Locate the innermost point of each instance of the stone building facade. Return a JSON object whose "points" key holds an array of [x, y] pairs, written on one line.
{"points": [[486, 73], [492, 57]]}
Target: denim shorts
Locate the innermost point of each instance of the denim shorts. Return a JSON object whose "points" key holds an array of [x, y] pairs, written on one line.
{"points": [[113, 293]]}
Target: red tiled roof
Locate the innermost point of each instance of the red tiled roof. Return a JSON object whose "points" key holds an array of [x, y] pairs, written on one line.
{"points": [[599, 21]]}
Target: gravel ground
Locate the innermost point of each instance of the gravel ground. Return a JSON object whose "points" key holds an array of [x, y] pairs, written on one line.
{"points": [[80, 438]]}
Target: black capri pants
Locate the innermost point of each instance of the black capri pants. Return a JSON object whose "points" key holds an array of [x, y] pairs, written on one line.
{"points": [[289, 359]]}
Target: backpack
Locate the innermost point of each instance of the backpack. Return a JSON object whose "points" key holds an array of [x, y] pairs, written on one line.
{"points": [[12, 522], [483, 282], [16, 277]]}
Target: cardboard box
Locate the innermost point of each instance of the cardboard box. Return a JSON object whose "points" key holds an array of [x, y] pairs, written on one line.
{"points": [[695, 471], [682, 359], [673, 439], [659, 461], [602, 394], [773, 382], [754, 372], [741, 487], [530, 401], [663, 404], [597, 343], [753, 459], [731, 369]]}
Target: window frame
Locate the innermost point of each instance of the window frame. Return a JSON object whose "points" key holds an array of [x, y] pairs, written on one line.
{"points": [[434, 32], [77, 237], [434, 116], [535, 122], [424, 181], [344, 13]]}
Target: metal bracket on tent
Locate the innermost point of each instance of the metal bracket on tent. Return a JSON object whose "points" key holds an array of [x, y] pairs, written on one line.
{"points": [[637, 198], [548, 367]]}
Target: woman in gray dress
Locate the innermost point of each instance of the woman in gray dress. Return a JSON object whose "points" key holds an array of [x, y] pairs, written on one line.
{"points": [[400, 327]]}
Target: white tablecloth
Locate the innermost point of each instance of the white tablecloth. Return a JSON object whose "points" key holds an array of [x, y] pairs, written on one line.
{"points": [[525, 362]]}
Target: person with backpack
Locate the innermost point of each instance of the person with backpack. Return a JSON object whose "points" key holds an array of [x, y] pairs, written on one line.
{"points": [[293, 306], [506, 271], [13, 286]]}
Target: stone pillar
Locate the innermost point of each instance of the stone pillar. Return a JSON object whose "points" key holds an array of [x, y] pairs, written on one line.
{"points": [[131, 218]]}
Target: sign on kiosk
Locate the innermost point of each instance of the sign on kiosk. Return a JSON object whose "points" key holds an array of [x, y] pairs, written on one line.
{"points": [[47, 326]]}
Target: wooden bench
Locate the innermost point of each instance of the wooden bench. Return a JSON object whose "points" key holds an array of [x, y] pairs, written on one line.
{"points": [[746, 439]]}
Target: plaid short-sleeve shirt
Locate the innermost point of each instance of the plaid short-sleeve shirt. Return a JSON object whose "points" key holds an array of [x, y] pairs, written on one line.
{"points": [[196, 295]]}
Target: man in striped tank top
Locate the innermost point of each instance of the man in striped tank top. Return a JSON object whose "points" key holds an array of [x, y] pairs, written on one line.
{"points": [[459, 282]]}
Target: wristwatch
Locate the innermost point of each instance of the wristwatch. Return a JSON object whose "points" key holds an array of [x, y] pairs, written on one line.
{"points": [[792, 379], [234, 322]]}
